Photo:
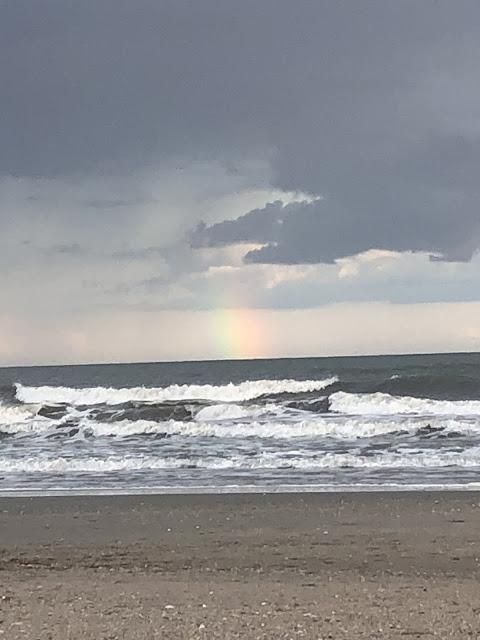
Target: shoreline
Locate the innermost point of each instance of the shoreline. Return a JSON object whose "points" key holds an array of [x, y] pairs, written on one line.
{"points": [[301, 489], [340, 565]]}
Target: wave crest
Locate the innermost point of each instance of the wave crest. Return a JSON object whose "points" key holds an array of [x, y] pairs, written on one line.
{"points": [[383, 404], [226, 393]]}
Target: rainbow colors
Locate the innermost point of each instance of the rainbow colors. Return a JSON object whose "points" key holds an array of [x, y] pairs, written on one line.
{"points": [[240, 333]]}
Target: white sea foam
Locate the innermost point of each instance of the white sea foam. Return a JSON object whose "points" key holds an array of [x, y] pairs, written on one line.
{"points": [[346, 429], [385, 404], [226, 489], [13, 415], [343, 428], [223, 430], [32, 427], [110, 396], [234, 412], [470, 458], [23, 420], [222, 412]]}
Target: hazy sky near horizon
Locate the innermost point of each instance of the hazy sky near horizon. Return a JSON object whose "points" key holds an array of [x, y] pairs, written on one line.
{"points": [[238, 178]]}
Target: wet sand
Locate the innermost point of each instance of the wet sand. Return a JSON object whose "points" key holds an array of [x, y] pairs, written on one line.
{"points": [[378, 565]]}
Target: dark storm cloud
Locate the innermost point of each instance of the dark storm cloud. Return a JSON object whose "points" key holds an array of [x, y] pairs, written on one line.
{"points": [[339, 93], [257, 226], [318, 232]]}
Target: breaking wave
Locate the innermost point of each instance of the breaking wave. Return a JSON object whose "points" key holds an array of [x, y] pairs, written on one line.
{"points": [[385, 404], [379, 420], [9, 415], [243, 391], [346, 429]]}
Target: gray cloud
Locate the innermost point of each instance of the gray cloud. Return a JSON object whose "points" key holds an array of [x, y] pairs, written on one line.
{"points": [[136, 254], [319, 232], [371, 104], [257, 226], [114, 204], [72, 249]]}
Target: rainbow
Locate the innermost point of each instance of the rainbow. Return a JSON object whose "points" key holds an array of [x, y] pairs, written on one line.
{"points": [[239, 333]]}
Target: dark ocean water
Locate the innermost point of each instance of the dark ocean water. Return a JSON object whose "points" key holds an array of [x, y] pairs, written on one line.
{"points": [[326, 423]]}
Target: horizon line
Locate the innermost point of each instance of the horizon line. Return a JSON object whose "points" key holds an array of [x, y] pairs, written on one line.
{"points": [[252, 359]]}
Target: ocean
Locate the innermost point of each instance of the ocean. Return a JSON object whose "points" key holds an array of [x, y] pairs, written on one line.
{"points": [[347, 423]]}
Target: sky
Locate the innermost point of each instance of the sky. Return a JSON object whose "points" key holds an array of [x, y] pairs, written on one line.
{"points": [[238, 179]]}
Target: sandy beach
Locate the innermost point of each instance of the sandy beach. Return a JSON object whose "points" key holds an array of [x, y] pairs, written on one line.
{"points": [[371, 565]]}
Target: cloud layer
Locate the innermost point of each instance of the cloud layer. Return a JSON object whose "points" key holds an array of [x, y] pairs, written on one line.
{"points": [[262, 154], [371, 105]]}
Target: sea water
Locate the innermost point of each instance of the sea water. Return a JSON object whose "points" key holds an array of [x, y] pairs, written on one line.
{"points": [[404, 422]]}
